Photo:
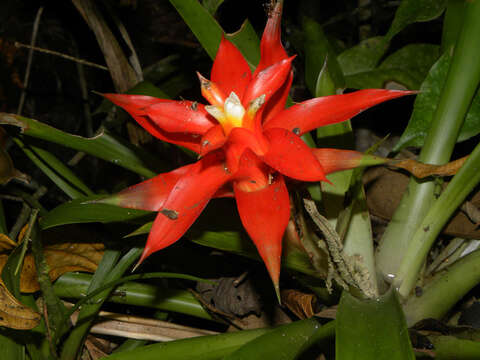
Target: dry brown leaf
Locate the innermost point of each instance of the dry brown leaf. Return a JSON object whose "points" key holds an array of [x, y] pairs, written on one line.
{"points": [[15, 315], [384, 189], [6, 243], [299, 303], [123, 74], [61, 258], [421, 170]]}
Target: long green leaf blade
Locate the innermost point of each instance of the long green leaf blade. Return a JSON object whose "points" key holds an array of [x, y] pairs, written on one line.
{"points": [[286, 342], [372, 329], [104, 146]]}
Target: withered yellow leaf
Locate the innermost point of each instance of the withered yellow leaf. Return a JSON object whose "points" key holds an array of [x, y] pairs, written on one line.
{"points": [[6, 243], [61, 258], [14, 314]]}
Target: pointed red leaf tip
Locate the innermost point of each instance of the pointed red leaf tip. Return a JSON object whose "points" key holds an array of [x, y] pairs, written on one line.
{"points": [[230, 70], [289, 155], [268, 81], [186, 201], [333, 160], [271, 49], [135, 105], [147, 195], [311, 114], [211, 91], [169, 115], [265, 214]]}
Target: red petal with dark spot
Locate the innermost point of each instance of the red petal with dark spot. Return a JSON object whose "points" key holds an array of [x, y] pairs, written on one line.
{"points": [[135, 105], [212, 140], [271, 48], [311, 114], [230, 70], [265, 214], [186, 201], [291, 156], [169, 115], [148, 195]]}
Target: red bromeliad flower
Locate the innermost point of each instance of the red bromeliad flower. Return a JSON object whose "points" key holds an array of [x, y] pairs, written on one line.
{"points": [[247, 141]]}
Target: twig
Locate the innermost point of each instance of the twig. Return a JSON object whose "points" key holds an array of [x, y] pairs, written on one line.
{"points": [[29, 61], [21, 220], [59, 54]]}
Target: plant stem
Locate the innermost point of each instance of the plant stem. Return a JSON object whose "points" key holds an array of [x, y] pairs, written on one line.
{"points": [[444, 290], [75, 285], [462, 80], [107, 271], [455, 193]]}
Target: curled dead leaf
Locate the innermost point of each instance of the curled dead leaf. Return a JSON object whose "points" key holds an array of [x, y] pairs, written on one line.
{"points": [[61, 258], [6, 243], [14, 314], [421, 170], [301, 304]]}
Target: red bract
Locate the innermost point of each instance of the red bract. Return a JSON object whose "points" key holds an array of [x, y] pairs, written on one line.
{"points": [[247, 141]]}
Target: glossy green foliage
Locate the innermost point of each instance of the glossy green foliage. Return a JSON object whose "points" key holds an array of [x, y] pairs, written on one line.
{"points": [[372, 329], [411, 11], [200, 348], [103, 146], [84, 211], [427, 102], [319, 56], [286, 342]]}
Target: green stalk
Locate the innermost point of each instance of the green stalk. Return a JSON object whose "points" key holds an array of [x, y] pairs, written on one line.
{"points": [[106, 272], [75, 285], [462, 80], [452, 24], [444, 290], [459, 188]]}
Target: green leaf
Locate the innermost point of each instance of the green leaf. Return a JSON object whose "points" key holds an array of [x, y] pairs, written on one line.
{"points": [[286, 342], [317, 51], [427, 103], [408, 67], [201, 22], [56, 170], [247, 41], [209, 32], [237, 242], [84, 211], [212, 347], [147, 88], [452, 348], [56, 309], [11, 349], [108, 270], [212, 5], [371, 329], [411, 11], [416, 59], [104, 145], [363, 57], [382, 78]]}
